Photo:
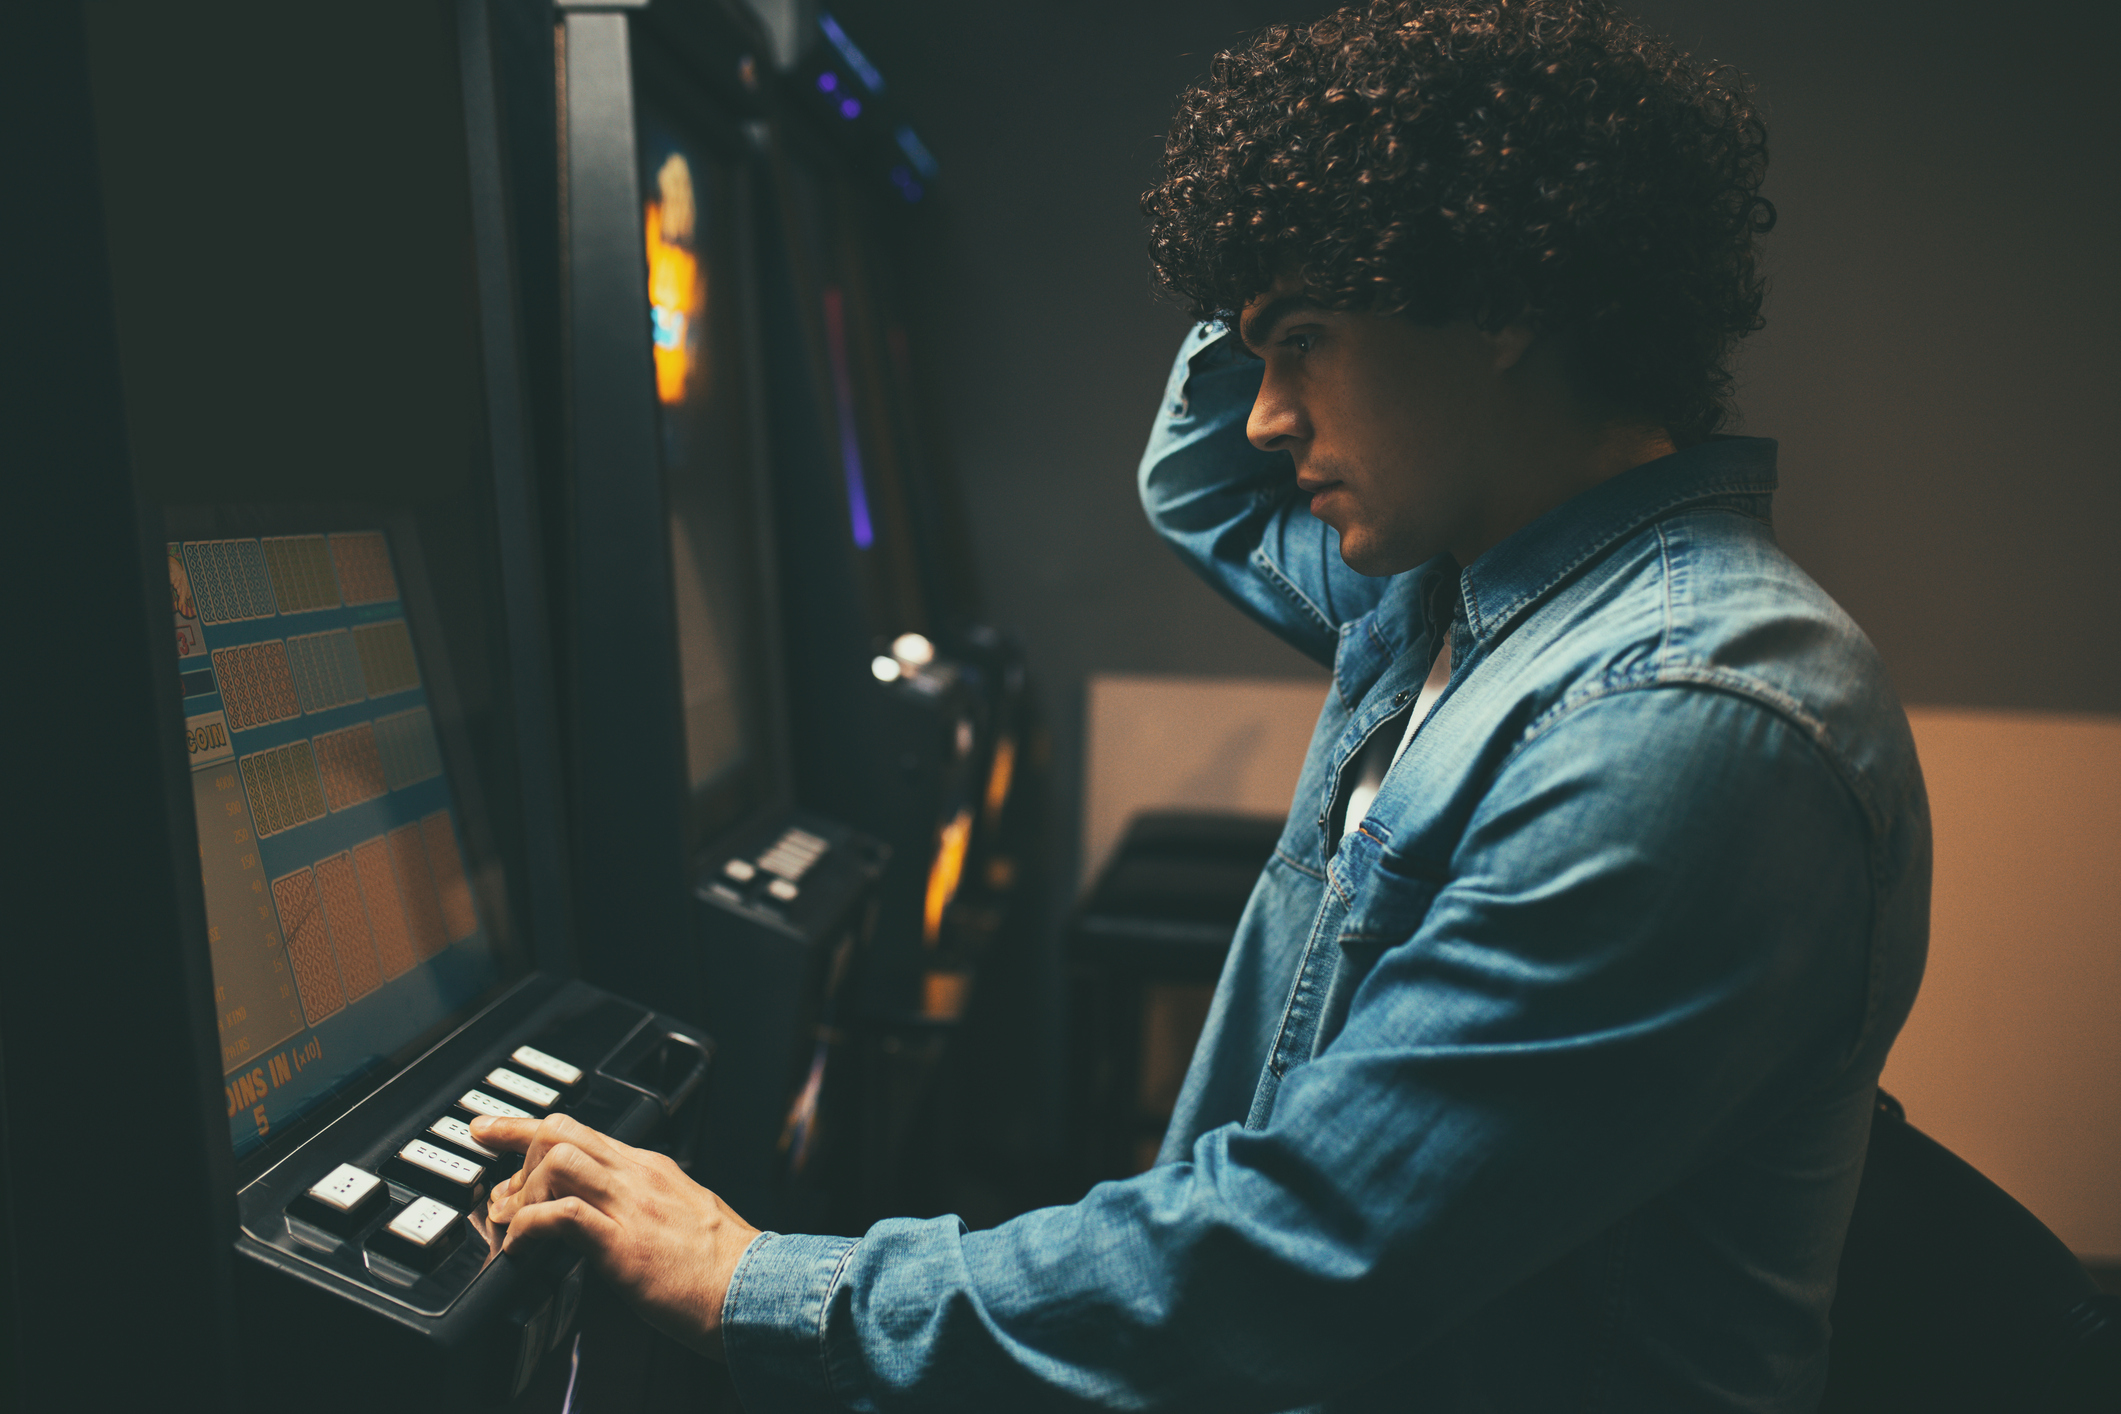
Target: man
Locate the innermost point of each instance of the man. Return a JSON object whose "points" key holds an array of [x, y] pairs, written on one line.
{"points": [[1540, 1073]]}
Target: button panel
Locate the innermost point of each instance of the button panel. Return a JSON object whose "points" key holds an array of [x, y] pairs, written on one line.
{"points": [[398, 1219], [559, 1072], [521, 1087]]}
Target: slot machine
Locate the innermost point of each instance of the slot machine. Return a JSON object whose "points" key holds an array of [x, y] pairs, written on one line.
{"points": [[307, 818], [672, 656], [918, 720]]}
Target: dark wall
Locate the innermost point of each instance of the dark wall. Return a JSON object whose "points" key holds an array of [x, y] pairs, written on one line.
{"points": [[1941, 339], [1045, 343], [1940, 360]]}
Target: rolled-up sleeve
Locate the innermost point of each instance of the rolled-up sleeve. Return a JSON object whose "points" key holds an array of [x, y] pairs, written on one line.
{"points": [[1233, 512], [773, 1318], [1651, 937]]}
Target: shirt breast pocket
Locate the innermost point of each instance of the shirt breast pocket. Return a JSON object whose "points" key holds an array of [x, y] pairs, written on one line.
{"points": [[1394, 899]]}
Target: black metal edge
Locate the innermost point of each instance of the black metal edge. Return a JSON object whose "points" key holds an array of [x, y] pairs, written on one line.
{"points": [[623, 686], [515, 499], [136, 1068]]}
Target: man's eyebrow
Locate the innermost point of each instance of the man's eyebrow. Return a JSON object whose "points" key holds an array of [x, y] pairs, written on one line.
{"points": [[1272, 313]]}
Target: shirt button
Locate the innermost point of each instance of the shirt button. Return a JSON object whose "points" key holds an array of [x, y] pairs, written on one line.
{"points": [[1399, 699]]}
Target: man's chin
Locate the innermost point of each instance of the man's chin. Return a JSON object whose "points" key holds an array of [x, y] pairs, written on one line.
{"points": [[1364, 556]]}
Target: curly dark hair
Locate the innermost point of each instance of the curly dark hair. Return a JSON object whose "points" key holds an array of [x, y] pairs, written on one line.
{"points": [[1544, 161]]}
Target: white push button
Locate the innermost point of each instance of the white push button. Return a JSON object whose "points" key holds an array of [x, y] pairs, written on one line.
{"points": [[783, 890], [741, 870], [345, 1188], [559, 1072], [481, 1103], [521, 1087], [441, 1163], [457, 1132], [424, 1223]]}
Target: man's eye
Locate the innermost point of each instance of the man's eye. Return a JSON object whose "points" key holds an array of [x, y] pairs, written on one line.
{"points": [[1299, 342]]}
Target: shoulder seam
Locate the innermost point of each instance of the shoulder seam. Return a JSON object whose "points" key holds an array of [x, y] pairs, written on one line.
{"points": [[1719, 680], [1664, 561]]}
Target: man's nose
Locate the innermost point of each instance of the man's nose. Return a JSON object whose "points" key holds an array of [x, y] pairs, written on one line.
{"points": [[1274, 422]]}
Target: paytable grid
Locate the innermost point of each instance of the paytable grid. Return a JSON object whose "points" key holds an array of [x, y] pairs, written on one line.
{"points": [[326, 668], [339, 892], [300, 567]]}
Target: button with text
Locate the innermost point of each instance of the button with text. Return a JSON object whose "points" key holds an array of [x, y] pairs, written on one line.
{"points": [[521, 1087], [559, 1072], [433, 1170], [455, 1131], [478, 1102]]}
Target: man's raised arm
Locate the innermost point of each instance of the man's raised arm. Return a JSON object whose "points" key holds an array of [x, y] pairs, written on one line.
{"points": [[1233, 512]]}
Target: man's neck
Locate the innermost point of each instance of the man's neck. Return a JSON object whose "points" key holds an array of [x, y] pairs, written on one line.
{"points": [[1557, 470]]}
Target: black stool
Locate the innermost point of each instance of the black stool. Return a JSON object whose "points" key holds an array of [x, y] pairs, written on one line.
{"points": [[1145, 947], [1952, 1297]]}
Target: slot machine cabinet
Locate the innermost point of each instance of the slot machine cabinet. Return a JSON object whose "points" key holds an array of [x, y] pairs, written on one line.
{"points": [[669, 622], [320, 908], [915, 720], [892, 731]]}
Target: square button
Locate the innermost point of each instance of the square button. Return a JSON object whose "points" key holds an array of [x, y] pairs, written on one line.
{"points": [[345, 1189], [424, 1224], [559, 1072], [342, 1201], [521, 1087]]}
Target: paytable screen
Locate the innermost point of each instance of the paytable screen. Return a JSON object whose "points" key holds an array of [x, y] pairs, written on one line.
{"points": [[341, 917]]}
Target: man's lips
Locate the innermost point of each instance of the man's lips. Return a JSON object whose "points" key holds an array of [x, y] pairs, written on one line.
{"points": [[1316, 490]]}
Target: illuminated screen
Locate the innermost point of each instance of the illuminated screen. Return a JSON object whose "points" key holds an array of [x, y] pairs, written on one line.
{"points": [[340, 914], [690, 210], [301, 340]]}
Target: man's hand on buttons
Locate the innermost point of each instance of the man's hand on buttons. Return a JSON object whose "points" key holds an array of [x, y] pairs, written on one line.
{"points": [[666, 1243]]}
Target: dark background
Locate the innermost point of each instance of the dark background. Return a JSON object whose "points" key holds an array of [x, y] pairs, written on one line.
{"points": [[1938, 361]]}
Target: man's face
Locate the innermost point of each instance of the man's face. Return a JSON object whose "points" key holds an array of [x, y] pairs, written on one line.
{"points": [[1393, 425]]}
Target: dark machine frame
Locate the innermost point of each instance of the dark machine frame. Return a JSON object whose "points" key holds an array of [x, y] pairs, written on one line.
{"points": [[125, 1212]]}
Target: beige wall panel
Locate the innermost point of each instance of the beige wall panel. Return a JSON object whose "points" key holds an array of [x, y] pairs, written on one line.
{"points": [[2013, 1054], [1190, 743]]}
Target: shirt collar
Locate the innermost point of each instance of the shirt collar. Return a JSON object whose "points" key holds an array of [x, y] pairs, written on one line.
{"points": [[1500, 586]]}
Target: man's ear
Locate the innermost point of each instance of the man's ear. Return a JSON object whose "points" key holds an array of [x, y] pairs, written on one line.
{"points": [[1508, 344]]}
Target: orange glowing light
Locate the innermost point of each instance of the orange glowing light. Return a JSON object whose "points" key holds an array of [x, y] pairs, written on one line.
{"points": [[944, 874], [999, 777], [943, 995], [676, 292]]}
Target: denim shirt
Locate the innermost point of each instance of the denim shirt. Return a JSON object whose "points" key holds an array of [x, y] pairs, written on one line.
{"points": [[1544, 1088]]}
